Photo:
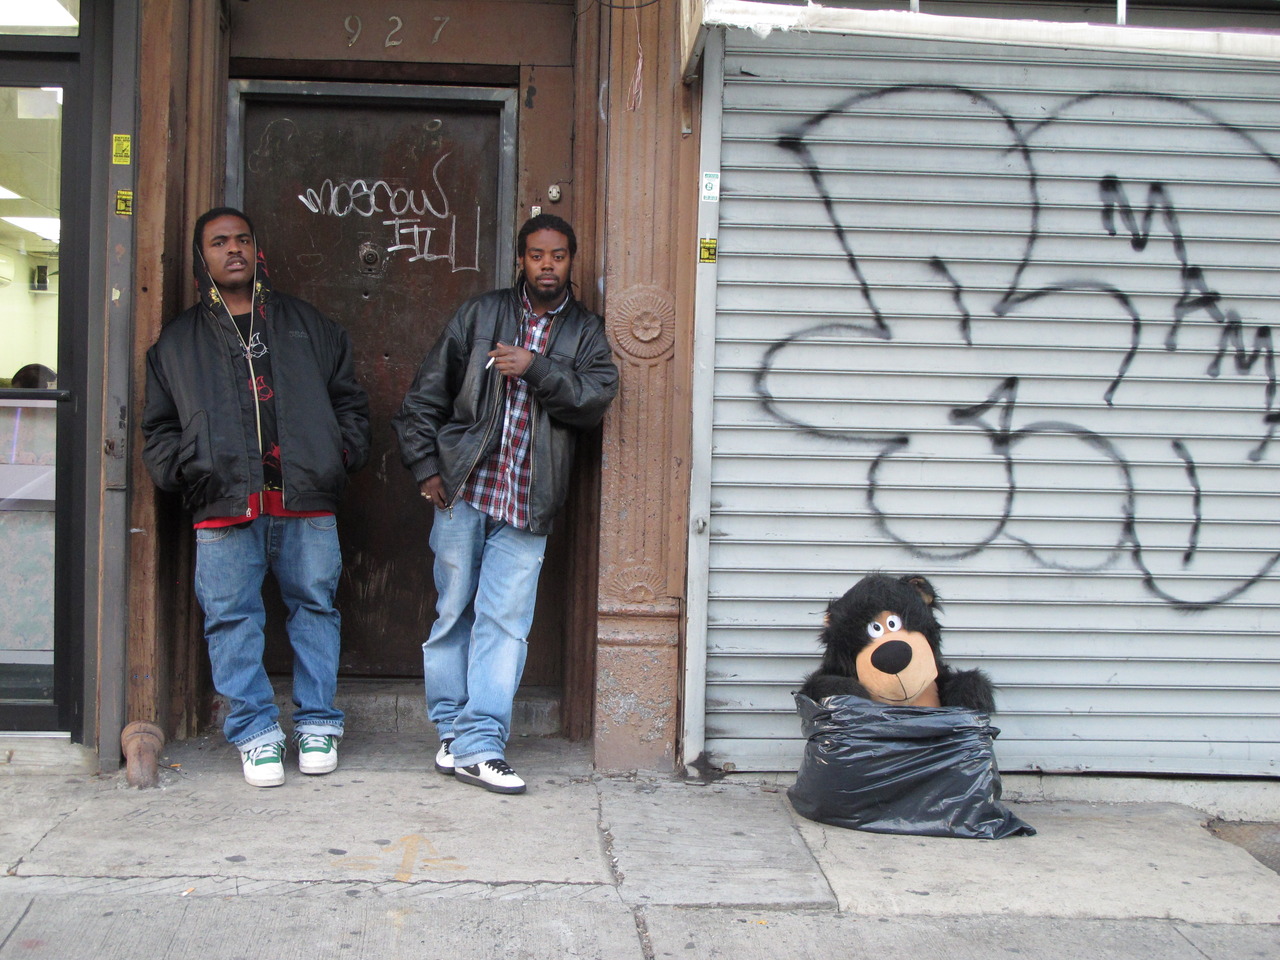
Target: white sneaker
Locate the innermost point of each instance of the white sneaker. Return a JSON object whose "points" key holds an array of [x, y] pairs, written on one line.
{"points": [[317, 753], [264, 765], [495, 775], [444, 759]]}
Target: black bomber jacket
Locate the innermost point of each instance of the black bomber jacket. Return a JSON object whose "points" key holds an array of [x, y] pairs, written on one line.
{"points": [[199, 419], [451, 418]]}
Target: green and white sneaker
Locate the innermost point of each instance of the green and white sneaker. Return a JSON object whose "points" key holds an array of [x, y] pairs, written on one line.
{"points": [[264, 765], [317, 753]]}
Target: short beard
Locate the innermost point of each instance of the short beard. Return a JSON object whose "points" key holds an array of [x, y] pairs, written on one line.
{"points": [[550, 299]]}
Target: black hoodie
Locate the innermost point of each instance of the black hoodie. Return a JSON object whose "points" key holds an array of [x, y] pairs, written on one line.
{"points": [[200, 420]]}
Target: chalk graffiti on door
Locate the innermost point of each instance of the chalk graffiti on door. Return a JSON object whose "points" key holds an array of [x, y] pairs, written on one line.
{"points": [[1012, 263], [416, 220]]}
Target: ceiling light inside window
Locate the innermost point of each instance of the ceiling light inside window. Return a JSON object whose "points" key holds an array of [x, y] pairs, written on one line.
{"points": [[48, 227], [34, 13]]}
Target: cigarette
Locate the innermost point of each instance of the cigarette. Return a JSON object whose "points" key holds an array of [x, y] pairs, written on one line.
{"points": [[490, 363]]}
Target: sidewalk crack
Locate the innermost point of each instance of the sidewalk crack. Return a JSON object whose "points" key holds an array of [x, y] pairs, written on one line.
{"points": [[642, 931], [12, 870], [1189, 942], [16, 924], [606, 842]]}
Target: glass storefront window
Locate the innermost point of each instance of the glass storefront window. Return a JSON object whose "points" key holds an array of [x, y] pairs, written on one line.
{"points": [[30, 180], [40, 18]]}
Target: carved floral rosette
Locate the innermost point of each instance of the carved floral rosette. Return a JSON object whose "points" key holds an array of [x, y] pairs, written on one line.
{"points": [[642, 323]]}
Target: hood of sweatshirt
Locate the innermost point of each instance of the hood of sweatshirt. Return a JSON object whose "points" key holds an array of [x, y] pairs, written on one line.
{"points": [[208, 290]]}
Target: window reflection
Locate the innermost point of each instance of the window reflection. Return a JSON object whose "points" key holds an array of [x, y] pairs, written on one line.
{"points": [[30, 182], [28, 434]]}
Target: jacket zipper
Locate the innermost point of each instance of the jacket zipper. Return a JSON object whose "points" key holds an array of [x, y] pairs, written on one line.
{"points": [[253, 382], [257, 416], [533, 424], [493, 420]]}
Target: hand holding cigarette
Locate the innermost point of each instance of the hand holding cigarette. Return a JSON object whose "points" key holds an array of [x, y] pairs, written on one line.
{"points": [[512, 361]]}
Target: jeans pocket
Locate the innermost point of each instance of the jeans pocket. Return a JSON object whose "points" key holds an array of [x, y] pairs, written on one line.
{"points": [[212, 534], [328, 522]]}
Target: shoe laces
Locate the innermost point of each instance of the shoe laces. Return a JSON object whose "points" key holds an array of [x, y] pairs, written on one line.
{"points": [[265, 751], [313, 741], [500, 766]]}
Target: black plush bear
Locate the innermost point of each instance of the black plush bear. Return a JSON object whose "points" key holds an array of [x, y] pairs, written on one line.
{"points": [[882, 642]]}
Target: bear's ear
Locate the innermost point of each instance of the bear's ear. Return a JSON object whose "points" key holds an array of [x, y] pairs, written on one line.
{"points": [[925, 589]]}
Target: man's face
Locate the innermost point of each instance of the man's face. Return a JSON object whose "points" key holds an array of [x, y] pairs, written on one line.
{"points": [[229, 252], [546, 262]]}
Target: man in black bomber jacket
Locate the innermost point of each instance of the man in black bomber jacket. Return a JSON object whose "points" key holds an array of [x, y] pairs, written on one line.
{"points": [[488, 430], [254, 415]]}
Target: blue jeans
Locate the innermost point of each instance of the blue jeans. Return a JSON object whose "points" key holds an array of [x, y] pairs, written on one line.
{"points": [[486, 574], [231, 563]]}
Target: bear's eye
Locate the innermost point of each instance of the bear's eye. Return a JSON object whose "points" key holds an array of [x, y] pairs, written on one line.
{"points": [[893, 623], [875, 629]]}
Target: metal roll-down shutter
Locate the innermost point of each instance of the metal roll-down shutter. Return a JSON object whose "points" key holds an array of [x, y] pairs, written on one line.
{"points": [[1002, 316]]}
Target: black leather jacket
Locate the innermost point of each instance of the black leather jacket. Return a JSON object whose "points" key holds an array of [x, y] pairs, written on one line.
{"points": [[199, 420], [451, 418]]}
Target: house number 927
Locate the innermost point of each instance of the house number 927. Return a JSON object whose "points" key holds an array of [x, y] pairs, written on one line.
{"points": [[355, 26]]}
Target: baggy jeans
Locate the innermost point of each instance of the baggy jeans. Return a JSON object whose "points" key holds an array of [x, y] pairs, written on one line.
{"points": [[231, 563], [486, 575]]}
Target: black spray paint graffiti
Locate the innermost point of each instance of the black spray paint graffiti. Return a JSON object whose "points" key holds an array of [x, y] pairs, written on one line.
{"points": [[1032, 282]]}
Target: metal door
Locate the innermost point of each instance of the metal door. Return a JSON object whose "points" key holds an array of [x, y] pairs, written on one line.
{"points": [[385, 207]]}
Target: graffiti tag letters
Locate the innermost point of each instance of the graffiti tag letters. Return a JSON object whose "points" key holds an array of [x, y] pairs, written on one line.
{"points": [[1098, 361]]}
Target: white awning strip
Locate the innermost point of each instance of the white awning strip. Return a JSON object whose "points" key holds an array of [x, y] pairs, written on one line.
{"points": [[763, 18]]}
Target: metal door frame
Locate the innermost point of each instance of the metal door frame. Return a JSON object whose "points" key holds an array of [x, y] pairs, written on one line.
{"points": [[702, 397], [240, 91], [69, 63]]}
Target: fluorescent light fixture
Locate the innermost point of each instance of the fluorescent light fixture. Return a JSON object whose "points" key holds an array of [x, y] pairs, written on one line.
{"points": [[48, 227], [34, 13], [6, 194]]}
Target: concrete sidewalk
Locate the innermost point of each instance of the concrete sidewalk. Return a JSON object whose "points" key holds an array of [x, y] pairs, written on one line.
{"points": [[387, 859]]}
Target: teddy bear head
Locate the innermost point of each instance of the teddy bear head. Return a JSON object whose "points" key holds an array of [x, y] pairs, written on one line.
{"points": [[885, 630]]}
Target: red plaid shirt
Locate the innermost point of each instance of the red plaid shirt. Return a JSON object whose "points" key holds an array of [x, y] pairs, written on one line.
{"points": [[500, 485]]}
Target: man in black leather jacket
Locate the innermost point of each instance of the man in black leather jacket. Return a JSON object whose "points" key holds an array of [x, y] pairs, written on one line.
{"points": [[488, 431], [254, 415]]}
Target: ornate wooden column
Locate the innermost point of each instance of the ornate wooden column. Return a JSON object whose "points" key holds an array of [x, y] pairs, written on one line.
{"points": [[647, 154]]}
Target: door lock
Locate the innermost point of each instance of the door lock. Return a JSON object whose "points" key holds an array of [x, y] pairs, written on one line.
{"points": [[371, 259]]}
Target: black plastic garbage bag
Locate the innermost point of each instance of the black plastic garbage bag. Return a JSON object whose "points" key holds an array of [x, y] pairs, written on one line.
{"points": [[921, 770]]}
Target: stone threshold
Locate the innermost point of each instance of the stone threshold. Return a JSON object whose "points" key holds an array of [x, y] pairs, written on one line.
{"points": [[399, 706]]}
